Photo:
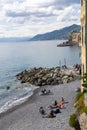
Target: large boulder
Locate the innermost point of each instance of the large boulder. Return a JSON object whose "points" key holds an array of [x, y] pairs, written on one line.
{"points": [[45, 76]]}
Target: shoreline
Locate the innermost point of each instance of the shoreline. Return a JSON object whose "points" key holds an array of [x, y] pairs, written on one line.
{"points": [[22, 116], [63, 74], [12, 109]]}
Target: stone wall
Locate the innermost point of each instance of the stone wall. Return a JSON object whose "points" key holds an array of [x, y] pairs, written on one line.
{"points": [[83, 117], [85, 100]]}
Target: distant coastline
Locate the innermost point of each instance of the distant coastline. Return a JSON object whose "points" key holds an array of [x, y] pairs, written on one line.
{"points": [[67, 43], [61, 34], [14, 39]]}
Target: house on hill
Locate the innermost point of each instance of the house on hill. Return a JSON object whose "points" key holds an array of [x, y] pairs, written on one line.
{"points": [[75, 37]]}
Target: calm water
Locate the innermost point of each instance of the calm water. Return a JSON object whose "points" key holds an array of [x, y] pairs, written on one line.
{"points": [[15, 57]]}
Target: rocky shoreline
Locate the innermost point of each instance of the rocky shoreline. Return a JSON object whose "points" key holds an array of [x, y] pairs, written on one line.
{"points": [[67, 43], [48, 76]]}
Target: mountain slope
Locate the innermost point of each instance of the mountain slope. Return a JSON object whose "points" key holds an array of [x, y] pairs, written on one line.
{"points": [[57, 34]]}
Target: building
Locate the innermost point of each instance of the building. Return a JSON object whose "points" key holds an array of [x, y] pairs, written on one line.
{"points": [[76, 36], [84, 36]]}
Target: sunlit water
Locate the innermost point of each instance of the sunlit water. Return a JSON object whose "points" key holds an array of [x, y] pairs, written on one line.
{"points": [[16, 57]]}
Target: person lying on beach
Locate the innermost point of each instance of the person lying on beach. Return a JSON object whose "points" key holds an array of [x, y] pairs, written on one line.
{"points": [[50, 115], [56, 111], [60, 104], [42, 111], [52, 107]]}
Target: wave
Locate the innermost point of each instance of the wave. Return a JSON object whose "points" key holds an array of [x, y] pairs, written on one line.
{"points": [[14, 102]]}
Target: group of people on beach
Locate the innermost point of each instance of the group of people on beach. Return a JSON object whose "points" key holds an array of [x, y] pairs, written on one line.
{"points": [[54, 109]]}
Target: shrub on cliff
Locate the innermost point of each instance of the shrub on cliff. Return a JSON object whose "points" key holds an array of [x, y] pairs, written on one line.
{"points": [[79, 104], [85, 109], [73, 120], [78, 96]]}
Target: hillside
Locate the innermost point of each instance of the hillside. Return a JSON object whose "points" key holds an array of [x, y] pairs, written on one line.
{"points": [[57, 34]]}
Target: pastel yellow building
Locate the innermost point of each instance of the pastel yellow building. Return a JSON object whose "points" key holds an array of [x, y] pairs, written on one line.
{"points": [[76, 37], [84, 36]]}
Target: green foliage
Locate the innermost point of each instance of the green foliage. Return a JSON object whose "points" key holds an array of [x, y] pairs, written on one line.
{"points": [[85, 109], [73, 120], [79, 104], [7, 87], [79, 95]]}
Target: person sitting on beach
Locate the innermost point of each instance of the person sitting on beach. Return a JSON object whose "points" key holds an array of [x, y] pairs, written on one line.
{"points": [[50, 115], [42, 111], [59, 104], [62, 99], [55, 103], [44, 91]]}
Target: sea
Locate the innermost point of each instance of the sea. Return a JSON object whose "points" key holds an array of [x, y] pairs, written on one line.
{"points": [[18, 56]]}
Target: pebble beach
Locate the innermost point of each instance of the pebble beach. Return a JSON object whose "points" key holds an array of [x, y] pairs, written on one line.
{"points": [[27, 117]]}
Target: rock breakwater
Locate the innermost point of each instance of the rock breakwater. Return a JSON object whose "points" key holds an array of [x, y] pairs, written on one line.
{"points": [[47, 76]]}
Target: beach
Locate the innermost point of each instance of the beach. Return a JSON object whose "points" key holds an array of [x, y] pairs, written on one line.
{"points": [[27, 117]]}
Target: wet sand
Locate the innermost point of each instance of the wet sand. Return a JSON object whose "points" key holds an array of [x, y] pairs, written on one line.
{"points": [[27, 117]]}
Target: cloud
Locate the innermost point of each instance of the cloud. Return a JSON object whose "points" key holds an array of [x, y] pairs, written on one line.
{"points": [[16, 14], [11, 1], [69, 13], [61, 4], [40, 15], [66, 2]]}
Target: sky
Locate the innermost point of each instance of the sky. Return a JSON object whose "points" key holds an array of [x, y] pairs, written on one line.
{"points": [[22, 18]]}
